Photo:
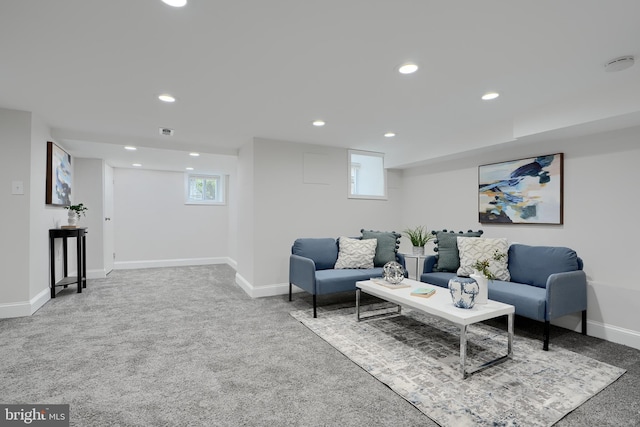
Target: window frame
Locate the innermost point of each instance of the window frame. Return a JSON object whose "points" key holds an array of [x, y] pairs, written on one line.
{"points": [[353, 164], [220, 189]]}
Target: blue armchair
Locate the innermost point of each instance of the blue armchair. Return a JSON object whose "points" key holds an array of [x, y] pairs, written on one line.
{"points": [[311, 268]]}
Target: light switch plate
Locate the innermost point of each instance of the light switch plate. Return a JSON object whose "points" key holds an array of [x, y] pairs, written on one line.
{"points": [[17, 187]]}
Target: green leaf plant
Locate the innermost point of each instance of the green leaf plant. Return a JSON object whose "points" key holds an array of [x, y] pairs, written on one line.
{"points": [[419, 235], [482, 265], [78, 209]]}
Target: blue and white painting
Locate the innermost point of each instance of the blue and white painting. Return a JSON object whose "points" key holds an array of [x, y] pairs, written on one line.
{"points": [[526, 191], [59, 180]]}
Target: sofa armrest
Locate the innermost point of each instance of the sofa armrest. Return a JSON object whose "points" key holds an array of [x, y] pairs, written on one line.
{"points": [[403, 262], [566, 293], [302, 273], [429, 263]]}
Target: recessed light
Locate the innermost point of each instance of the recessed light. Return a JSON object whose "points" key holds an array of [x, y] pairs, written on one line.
{"points": [[175, 3], [490, 95], [165, 97], [319, 123], [194, 154], [389, 135], [136, 165], [130, 148], [619, 64], [408, 68], [189, 169]]}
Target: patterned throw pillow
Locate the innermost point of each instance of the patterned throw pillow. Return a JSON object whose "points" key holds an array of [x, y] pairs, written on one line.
{"points": [[473, 249], [355, 253], [388, 244], [447, 249]]}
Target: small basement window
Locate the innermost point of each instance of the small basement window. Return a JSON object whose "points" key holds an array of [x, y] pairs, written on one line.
{"points": [[204, 189], [367, 175]]}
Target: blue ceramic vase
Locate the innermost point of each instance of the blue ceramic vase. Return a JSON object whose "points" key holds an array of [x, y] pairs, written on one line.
{"points": [[463, 291]]}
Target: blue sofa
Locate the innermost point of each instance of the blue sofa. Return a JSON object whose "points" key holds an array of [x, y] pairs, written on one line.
{"points": [[311, 268], [546, 283]]}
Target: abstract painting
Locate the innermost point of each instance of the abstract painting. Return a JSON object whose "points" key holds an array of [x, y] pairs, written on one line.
{"points": [[58, 190], [525, 191]]}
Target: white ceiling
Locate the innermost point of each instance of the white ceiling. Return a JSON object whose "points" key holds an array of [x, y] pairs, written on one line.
{"points": [[254, 68]]}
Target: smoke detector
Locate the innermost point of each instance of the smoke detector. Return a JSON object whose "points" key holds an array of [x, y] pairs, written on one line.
{"points": [[619, 64], [166, 131]]}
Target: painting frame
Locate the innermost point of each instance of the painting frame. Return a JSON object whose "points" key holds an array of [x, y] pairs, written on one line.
{"points": [[522, 191], [58, 182]]}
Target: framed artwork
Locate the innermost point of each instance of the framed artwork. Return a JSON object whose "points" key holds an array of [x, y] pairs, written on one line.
{"points": [[58, 190], [525, 191]]}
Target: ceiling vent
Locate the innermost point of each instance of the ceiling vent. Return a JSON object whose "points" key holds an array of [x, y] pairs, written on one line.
{"points": [[619, 64], [166, 131]]}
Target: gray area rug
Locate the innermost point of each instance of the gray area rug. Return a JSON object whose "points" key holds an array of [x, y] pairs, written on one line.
{"points": [[417, 356]]}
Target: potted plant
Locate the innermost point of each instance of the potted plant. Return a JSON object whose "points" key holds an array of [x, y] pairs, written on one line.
{"points": [[75, 211], [482, 275], [419, 237]]}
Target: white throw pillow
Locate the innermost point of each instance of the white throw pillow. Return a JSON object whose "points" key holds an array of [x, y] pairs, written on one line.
{"points": [[355, 253], [472, 249]]}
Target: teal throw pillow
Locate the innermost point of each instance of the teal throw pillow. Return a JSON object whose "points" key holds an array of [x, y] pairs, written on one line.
{"points": [[388, 244], [448, 257]]}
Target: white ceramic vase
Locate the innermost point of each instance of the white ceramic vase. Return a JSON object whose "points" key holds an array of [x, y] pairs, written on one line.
{"points": [[418, 250], [483, 284], [72, 217]]}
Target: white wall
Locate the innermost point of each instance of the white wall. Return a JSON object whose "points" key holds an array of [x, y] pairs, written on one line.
{"points": [[42, 218], [600, 218], [15, 141], [299, 190], [154, 227], [246, 212], [88, 187], [24, 286]]}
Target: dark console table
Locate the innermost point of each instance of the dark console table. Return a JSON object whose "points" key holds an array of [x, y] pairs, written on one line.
{"points": [[81, 240]]}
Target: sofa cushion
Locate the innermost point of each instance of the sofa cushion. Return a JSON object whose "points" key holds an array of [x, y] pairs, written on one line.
{"points": [[472, 249], [534, 264], [447, 249], [438, 278], [529, 301], [330, 281], [323, 251], [388, 244], [355, 253]]}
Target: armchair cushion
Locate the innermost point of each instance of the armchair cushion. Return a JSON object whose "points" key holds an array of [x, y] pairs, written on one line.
{"points": [[388, 243], [356, 253], [323, 251]]}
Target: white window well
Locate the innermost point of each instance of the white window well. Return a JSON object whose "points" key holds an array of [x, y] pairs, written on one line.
{"points": [[367, 175], [203, 189]]}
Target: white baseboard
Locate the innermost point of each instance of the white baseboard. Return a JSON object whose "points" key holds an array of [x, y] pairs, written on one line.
{"points": [[25, 308], [611, 333], [264, 291], [614, 334], [130, 265]]}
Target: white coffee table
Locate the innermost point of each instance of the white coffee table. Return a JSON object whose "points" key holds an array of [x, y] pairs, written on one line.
{"points": [[440, 305]]}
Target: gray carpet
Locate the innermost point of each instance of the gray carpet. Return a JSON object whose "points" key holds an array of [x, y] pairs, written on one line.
{"points": [[418, 357], [187, 347]]}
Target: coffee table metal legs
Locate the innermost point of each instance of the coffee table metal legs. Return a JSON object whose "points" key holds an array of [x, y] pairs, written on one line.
{"points": [[358, 318], [463, 349]]}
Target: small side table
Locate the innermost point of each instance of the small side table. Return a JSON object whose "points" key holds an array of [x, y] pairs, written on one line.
{"points": [[81, 249], [417, 258]]}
